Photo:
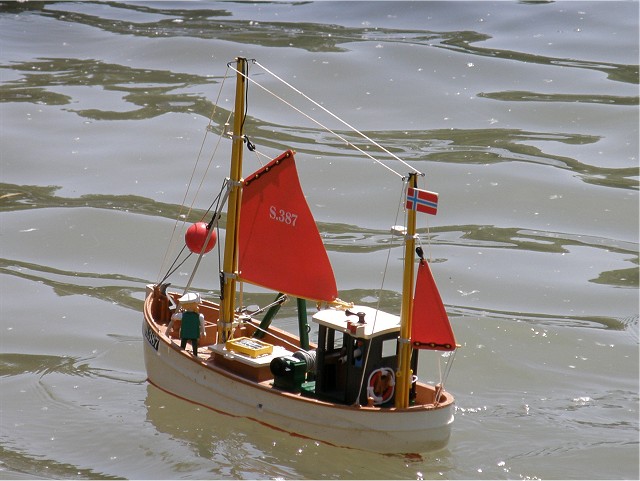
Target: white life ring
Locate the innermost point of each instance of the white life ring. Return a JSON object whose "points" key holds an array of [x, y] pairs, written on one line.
{"points": [[381, 385]]}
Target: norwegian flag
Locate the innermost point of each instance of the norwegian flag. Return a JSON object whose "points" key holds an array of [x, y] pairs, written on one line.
{"points": [[422, 201]]}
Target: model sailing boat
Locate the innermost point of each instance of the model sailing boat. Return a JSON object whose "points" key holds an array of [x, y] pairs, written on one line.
{"points": [[357, 386]]}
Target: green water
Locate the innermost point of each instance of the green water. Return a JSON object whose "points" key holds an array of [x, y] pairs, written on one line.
{"points": [[524, 118]]}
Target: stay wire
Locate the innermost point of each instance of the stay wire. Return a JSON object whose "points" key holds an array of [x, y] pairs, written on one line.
{"points": [[384, 275], [214, 217], [361, 134], [222, 200], [181, 216], [171, 269], [346, 141], [443, 378]]}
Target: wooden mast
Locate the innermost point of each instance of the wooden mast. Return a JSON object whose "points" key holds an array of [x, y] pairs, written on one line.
{"points": [[230, 263], [404, 374]]}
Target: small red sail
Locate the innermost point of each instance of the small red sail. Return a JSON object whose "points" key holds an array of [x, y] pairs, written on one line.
{"points": [[279, 244], [430, 327]]}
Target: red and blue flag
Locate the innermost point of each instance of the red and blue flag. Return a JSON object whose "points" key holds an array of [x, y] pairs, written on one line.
{"points": [[422, 201]]}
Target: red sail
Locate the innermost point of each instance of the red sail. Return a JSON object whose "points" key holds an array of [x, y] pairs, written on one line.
{"points": [[430, 327], [279, 244]]}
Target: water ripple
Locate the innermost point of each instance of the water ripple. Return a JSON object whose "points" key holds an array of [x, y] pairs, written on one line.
{"points": [[315, 37]]}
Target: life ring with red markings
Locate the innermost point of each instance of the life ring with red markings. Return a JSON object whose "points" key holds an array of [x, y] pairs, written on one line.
{"points": [[381, 385]]}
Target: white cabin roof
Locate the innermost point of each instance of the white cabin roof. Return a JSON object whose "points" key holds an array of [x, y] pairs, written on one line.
{"points": [[376, 322]]}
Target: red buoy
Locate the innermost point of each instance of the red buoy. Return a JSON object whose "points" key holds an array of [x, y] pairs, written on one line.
{"points": [[196, 235]]}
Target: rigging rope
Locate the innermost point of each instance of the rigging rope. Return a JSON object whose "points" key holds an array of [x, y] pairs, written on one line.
{"points": [[346, 141], [171, 269], [384, 275], [361, 134], [221, 200], [181, 216], [440, 386], [272, 334]]}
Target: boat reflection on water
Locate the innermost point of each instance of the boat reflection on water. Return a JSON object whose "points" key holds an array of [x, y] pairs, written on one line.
{"points": [[210, 434], [240, 445], [236, 445]]}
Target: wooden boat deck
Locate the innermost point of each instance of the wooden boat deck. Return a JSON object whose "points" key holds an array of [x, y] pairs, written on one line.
{"points": [[215, 356]]}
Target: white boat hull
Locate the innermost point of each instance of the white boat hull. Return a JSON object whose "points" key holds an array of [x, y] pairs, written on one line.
{"points": [[384, 430]]}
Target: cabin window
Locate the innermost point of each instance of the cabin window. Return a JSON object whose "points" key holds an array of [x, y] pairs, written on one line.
{"points": [[331, 334], [389, 347], [331, 340]]}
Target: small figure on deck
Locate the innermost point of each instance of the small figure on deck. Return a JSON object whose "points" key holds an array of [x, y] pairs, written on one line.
{"points": [[192, 322]]}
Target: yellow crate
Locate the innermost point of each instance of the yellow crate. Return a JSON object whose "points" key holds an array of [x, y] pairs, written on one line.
{"points": [[250, 347]]}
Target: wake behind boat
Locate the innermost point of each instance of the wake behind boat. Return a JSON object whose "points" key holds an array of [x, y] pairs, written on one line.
{"points": [[355, 386]]}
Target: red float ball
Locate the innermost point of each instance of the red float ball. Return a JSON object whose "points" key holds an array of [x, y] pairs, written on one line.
{"points": [[196, 235]]}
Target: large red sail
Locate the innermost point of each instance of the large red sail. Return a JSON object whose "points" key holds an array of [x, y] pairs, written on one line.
{"points": [[279, 244], [430, 327]]}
